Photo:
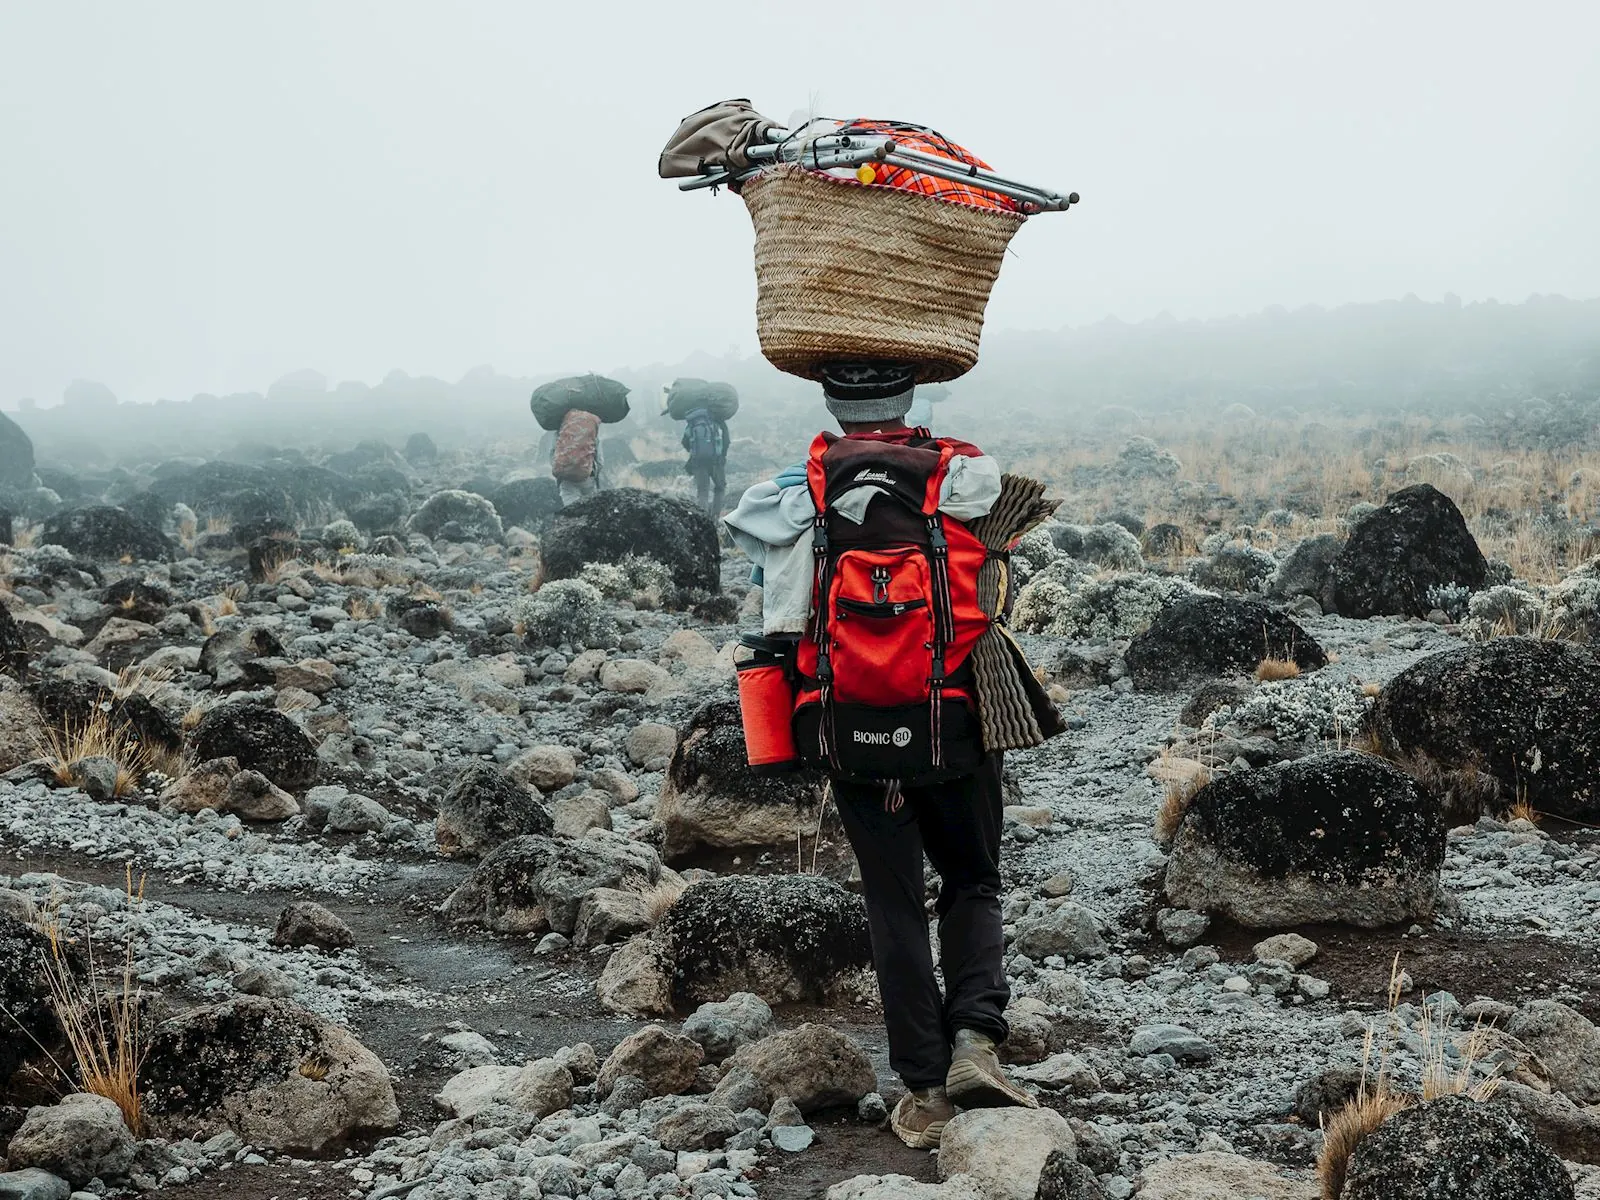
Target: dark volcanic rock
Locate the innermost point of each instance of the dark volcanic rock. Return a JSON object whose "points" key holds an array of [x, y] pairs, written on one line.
{"points": [[1196, 639], [237, 646], [420, 618], [103, 532], [712, 799], [1162, 541], [13, 645], [262, 739], [1457, 1148], [1064, 1178], [268, 554], [137, 599], [16, 455], [534, 883], [1339, 836], [69, 705], [485, 807], [1415, 541], [1307, 570], [24, 958], [277, 1075], [420, 450], [613, 524], [527, 502], [1523, 712], [784, 937]]}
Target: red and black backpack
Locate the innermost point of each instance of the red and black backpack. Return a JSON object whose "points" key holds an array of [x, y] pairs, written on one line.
{"points": [[884, 687]]}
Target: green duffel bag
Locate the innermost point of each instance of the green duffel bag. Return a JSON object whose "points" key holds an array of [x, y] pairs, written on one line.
{"points": [[605, 398], [686, 395]]}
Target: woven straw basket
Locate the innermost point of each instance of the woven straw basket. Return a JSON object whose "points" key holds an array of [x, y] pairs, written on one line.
{"points": [[846, 271]]}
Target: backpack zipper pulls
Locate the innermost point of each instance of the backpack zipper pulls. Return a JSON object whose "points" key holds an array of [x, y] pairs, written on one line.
{"points": [[880, 585]]}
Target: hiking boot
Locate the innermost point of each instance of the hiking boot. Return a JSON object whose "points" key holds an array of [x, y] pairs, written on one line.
{"points": [[919, 1119], [975, 1079]]}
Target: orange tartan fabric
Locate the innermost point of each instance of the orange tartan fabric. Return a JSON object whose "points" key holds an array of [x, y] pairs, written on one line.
{"points": [[915, 138]]}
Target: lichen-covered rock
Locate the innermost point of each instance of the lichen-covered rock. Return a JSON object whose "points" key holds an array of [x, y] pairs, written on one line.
{"points": [[237, 646], [1307, 570], [83, 1137], [1199, 638], [485, 807], [280, 1077], [1456, 1148], [712, 799], [458, 516], [785, 937], [1003, 1150], [24, 959], [1417, 540], [1338, 836], [1063, 1178], [261, 739], [104, 532], [527, 503], [613, 524], [71, 706], [815, 1066], [534, 883], [1523, 712], [13, 646]]}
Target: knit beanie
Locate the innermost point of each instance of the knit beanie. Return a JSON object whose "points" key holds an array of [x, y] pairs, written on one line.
{"points": [[867, 392]]}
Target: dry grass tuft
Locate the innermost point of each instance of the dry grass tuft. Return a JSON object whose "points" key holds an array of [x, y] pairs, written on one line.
{"points": [[662, 897], [1348, 1128], [365, 608], [101, 737], [101, 1025], [1175, 802], [1378, 1100], [1272, 669], [191, 719], [315, 1068]]}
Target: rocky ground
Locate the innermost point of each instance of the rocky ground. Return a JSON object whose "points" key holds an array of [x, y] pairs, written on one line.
{"points": [[415, 814]]}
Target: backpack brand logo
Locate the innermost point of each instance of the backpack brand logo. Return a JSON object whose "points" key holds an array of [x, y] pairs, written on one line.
{"points": [[871, 476], [900, 738]]}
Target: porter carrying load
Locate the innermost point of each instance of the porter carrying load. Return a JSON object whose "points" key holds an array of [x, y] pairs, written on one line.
{"points": [[605, 398], [875, 240]]}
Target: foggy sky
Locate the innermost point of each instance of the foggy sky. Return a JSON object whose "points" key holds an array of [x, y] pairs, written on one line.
{"points": [[202, 196]]}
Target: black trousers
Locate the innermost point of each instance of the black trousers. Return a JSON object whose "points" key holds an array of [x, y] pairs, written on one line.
{"points": [[957, 824]]}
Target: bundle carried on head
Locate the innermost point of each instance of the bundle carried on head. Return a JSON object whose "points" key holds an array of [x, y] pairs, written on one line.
{"points": [[875, 240], [605, 398], [686, 395]]}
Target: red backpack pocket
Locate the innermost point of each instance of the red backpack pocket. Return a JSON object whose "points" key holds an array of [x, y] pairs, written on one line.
{"points": [[880, 626]]}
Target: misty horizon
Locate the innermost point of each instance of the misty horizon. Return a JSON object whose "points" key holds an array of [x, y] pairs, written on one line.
{"points": [[302, 379], [200, 198]]}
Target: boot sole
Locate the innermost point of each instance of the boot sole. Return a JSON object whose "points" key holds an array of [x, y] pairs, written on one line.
{"points": [[926, 1139], [970, 1086]]}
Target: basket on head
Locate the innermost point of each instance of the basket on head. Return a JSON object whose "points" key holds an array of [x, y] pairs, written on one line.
{"points": [[849, 271]]}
